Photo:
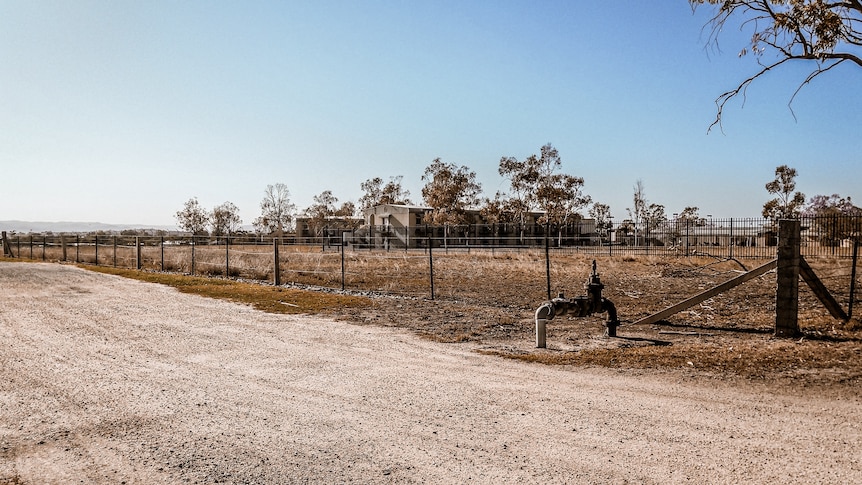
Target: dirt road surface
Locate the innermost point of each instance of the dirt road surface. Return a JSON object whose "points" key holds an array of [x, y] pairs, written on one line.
{"points": [[108, 380]]}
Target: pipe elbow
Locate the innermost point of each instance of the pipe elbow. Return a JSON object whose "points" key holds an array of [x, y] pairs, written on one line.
{"points": [[545, 312]]}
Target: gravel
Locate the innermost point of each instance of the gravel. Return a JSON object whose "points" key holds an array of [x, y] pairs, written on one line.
{"points": [[109, 380]]}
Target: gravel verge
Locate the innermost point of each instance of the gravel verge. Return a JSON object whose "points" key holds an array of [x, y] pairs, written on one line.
{"points": [[108, 380]]}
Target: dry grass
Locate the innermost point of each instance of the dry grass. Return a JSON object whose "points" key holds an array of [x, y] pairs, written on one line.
{"points": [[488, 300], [262, 297]]}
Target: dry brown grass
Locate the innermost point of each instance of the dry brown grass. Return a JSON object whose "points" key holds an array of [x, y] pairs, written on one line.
{"points": [[488, 300], [263, 297]]}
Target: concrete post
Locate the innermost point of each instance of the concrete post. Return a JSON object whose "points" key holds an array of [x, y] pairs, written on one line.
{"points": [[787, 295]]}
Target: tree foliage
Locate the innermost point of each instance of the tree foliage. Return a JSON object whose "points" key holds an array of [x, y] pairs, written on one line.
{"points": [[375, 192], [691, 215], [324, 208], [788, 203], [836, 218], [225, 219], [276, 211], [601, 213], [823, 33], [536, 183], [193, 218], [449, 191]]}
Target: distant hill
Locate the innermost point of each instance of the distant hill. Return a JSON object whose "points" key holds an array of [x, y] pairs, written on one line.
{"points": [[63, 226]]}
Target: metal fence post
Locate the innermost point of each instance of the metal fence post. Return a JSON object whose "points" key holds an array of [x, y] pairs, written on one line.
{"points": [[431, 266], [342, 260], [162, 251], [547, 259], [96, 246], [193, 255], [856, 245], [227, 256], [276, 263], [138, 252], [44, 243]]}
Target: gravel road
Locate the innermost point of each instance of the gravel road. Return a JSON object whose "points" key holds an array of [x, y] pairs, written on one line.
{"points": [[109, 380]]}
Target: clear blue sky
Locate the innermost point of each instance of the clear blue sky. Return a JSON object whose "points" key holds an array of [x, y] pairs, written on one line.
{"points": [[120, 111]]}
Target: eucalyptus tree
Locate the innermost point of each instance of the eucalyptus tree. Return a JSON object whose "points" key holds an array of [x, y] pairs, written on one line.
{"points": [[449, 191], [375, 192], [821, 34], [193, 217], [788, 203], [536, 183], [225, 219]]}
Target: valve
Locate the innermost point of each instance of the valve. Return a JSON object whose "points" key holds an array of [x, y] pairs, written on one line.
{"points": [[579, 306]]}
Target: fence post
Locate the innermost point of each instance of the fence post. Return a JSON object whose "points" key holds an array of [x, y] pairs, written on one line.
{"points": [[193, 255], [431, 266], [547, 259], [96, 246], [162, 251], [31, 246], [77, 248], [730, 255], [853, 279], [138, 252], [342, 260], [227, 256], [276, 280], [44, 243], [115, 251], [787, 295], [63, 245]]}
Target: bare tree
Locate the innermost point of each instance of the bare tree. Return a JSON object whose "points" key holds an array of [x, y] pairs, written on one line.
{"points": [[639, 206], [225, 219], [449, 191], [193, 218], [276, 211], [788, 204], [822, 33]]}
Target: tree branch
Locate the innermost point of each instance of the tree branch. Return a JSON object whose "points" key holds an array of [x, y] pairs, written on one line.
{"points": [[741, 88]]}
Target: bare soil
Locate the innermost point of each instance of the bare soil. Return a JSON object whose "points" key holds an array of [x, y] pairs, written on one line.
{"points": [[109, 380]]}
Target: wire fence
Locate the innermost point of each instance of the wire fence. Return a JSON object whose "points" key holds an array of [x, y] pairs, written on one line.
{"points": [[442, 261]]}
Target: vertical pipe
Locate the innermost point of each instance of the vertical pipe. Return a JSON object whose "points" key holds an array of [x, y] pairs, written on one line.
{"points": [[77, 248], [96, 246], [227, 256], [31, 246], [162, 252], [541, 333], [44, 243], [115, 251], [193, 255]]}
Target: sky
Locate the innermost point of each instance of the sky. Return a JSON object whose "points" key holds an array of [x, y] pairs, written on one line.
{"points": [[120, 111]]}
